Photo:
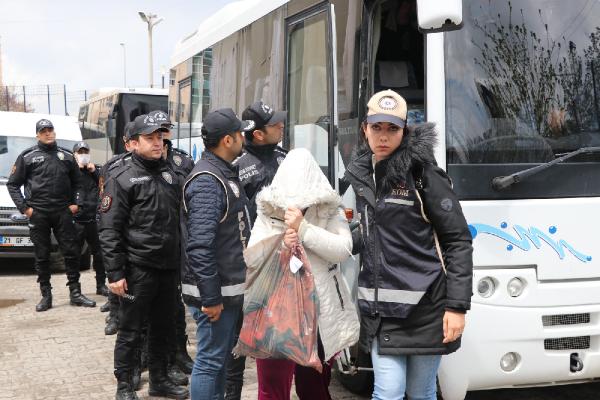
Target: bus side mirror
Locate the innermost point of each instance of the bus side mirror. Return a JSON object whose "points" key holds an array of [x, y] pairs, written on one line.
{"points": [[439, 15]]}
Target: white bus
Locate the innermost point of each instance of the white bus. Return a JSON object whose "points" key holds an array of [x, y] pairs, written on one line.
{"points": [[103, 117], [516, 87]]}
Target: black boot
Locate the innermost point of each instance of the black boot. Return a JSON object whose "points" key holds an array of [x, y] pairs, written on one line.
{"points": [[105, 307], [46, 301], [125, 391], [79, 299], [112, 326], [102, 290], [176, 376], [161, 386], [182, 358]]}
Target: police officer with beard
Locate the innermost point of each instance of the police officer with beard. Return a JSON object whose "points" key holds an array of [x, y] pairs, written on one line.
{"points": [[52, 196], [139, 232], [258, 164]]}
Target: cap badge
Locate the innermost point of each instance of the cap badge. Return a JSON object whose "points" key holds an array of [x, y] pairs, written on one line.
{"points": [[388, 103], [149, 120], [160, 116], [177, 160], [167, 177], [266, 108], [106, 203], [234, 188], [251, 125], [60, 156]]}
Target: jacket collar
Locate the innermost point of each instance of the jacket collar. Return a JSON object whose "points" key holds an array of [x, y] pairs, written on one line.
{"points": [[228, 169], [48, 147], [260, 151], [416, 149], [151, 165]]}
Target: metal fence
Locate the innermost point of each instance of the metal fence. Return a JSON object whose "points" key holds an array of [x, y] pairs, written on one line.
{"points": [[51, 99]]}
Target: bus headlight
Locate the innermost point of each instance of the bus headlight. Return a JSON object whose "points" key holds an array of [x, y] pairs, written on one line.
{"points": [[486, 287], [510, 361], [515, 287]]}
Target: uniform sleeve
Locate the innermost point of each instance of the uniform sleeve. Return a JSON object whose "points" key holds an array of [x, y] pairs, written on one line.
{"points": [[445, 213], [17, 179], [114, 214], [76, 184], [334, 243], [205, 202]]}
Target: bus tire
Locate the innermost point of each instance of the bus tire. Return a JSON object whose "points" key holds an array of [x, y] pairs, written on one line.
{"points": [[360, 383]]}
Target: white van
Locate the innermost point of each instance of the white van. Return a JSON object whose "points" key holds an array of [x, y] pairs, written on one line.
{"points": [[17, 133]]}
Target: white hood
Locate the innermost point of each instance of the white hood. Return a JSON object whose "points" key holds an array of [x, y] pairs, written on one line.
{"points": [[299, 182]]}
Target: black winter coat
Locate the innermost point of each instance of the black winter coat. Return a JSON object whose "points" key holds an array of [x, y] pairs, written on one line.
{"points": [[89, 196], [51, 178], [139, 221], [258, 165], [413, 240]]}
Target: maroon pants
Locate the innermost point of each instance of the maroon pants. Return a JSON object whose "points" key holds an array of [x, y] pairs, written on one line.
{"points": [[275, 380]]}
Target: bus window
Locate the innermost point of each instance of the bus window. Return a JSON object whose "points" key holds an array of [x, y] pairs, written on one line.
{"points": [[308, 87], [398, 51], [529, 95]]}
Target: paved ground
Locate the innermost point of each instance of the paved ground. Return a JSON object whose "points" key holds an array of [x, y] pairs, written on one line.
{"points": [[64, 354]]}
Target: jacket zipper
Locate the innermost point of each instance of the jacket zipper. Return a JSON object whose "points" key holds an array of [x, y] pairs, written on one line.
{"points": [[337, 287]]}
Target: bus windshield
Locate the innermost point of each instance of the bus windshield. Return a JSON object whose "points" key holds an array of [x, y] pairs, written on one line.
{"points": [[523, 88]]}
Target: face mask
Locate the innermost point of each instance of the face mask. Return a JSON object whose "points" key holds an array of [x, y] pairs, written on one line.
{"points": [[83, 159]]}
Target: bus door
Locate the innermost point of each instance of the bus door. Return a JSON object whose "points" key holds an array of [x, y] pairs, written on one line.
{"points": [[310, 85], [183, 115], [394, 54]]}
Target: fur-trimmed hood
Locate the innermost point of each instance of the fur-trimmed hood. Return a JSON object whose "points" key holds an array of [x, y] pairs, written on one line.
{"points": [[299, 182], [416, 149]]}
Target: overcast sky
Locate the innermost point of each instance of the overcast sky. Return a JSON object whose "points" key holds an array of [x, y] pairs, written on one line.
{"points": [[76, 42]]}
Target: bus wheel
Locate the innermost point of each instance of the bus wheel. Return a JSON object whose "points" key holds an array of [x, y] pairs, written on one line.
{"points": [[362, 382]]}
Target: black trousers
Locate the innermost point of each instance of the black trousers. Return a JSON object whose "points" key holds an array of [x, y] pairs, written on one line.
{"points": [[154, 292], [41, 224], [235, 369], [178, 337], [88, 232]]}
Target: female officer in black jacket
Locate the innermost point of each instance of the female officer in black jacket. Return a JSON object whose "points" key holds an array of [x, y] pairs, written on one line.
{"points": [[415, 281]]}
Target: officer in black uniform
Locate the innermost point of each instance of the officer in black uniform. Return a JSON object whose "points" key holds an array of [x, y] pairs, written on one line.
{"points": [[52, 195], [262, 155], [112, 305], [85, 219], [258, 164], [182, 164], [139, 232]]}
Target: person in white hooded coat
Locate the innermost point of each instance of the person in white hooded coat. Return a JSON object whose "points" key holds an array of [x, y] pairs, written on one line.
{"points": [[301, 198]]}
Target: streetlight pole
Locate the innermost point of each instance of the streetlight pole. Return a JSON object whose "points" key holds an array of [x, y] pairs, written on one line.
{"points": [[163, 71], [152, 20], [124, 65]]}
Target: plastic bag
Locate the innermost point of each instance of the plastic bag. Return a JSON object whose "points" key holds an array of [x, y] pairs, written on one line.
{"points": [[281, 310]]}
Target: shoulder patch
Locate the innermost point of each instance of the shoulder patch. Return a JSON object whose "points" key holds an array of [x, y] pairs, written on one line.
{"points": [[182, 152], [234, 187], [177, 160], [446, 204], [106, 203], [167, 177], [69, 152], [60, 155]]}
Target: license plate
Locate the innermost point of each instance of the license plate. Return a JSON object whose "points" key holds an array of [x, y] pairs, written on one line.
{"points": [[7, 241]]}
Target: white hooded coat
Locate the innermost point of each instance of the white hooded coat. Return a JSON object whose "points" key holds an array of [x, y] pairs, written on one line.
{"points": [[325, 235]]}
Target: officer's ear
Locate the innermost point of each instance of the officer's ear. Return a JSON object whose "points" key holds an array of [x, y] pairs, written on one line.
{"points": [[258, 136]]}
